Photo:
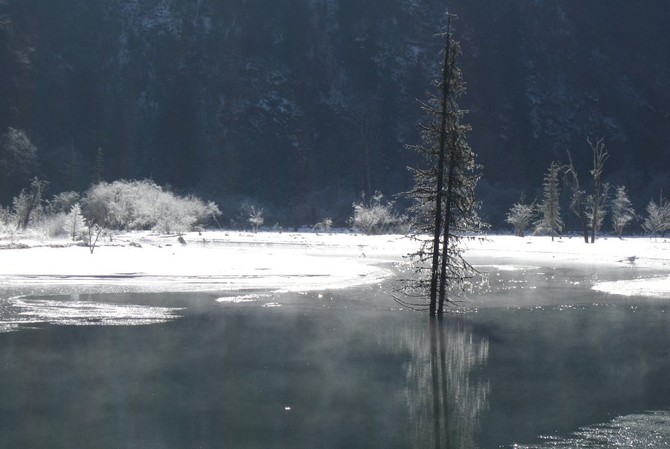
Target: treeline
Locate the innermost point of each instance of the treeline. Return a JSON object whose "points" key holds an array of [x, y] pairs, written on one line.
{"points": [[593, 203]]}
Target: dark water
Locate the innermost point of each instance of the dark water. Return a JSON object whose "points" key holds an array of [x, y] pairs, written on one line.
{"points": [[538, 360]]}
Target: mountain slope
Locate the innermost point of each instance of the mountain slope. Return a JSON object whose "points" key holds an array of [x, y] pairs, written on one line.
{"points": [[301, 105]]}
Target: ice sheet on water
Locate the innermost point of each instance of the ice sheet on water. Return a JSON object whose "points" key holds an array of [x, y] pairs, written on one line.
{"points": [[20, 312], [643, 430]]}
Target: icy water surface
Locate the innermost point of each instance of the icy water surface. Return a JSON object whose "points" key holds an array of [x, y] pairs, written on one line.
{"points": [[537, 361]]}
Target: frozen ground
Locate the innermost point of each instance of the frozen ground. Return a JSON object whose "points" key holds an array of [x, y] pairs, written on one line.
{"points": [[234, 261], [217, 261]]}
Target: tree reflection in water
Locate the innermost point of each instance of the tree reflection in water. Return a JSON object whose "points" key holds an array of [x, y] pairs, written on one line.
{"points": [[446, 395]]}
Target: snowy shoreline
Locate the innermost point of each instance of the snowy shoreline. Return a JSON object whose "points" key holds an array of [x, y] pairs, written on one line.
{"points": [[212, 261], [290, 261], [633, 252]]}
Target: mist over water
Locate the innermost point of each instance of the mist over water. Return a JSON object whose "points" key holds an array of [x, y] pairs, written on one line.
{"points": [[338, 369]]}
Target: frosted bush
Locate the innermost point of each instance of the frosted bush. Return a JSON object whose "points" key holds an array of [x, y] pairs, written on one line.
{"points": [[52, 225], [144, 205], [256, 218], [63, 202], [324, 226], [375, 217]]}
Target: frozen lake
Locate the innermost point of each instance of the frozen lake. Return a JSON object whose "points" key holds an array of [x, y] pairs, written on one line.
{"points": [[539, 360]]}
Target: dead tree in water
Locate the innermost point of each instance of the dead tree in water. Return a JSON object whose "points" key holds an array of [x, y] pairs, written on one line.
{"points": [[444, 193]]}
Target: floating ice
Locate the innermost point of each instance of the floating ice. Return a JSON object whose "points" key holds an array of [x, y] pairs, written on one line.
{"points": [[20, 312]]}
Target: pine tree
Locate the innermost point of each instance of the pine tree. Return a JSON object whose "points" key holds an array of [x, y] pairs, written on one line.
{"points": [[445, 207], [551, 221], [622, 211], [658, 217], [75, 224]]}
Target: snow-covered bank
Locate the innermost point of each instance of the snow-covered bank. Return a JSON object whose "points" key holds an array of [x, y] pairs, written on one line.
{"points": [[273, 261], [630, 252], [217, 261], [643, 252]]}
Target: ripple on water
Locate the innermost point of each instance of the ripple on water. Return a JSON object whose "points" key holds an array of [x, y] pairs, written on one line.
{"points": [[643, 430]]}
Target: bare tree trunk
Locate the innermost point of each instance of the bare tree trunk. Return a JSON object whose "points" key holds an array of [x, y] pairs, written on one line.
{"points": [[447, 227], [599, 158], [446, 86], [577, 200]]}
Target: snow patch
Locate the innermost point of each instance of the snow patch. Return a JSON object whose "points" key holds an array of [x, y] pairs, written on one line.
{"points": [[650, 287]]}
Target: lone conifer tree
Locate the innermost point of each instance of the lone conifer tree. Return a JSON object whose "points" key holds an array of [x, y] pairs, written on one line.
{"points": [[76, 223], [622, 211], [551, 221], [444, 193]]}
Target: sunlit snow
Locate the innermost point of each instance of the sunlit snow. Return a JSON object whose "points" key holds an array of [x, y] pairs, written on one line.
{"points": [[298, 262]]}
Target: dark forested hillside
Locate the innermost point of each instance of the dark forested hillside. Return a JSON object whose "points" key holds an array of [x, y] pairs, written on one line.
{"points": [[300, 105]]}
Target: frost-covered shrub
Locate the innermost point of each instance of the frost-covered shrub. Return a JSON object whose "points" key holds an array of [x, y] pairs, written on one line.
{"points": [[256, 218], [63, 202], [28, 205], [376, 217], [172, 215], [658, 217], [521, 216], [324, 226], [144, 205], [7, 220], [52, 225]]}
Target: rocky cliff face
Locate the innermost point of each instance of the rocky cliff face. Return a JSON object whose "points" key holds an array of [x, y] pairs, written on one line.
{"points": [[301, 105]]}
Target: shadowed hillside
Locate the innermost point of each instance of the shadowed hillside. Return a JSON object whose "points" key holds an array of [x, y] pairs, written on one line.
{"points": [[301, 105]]}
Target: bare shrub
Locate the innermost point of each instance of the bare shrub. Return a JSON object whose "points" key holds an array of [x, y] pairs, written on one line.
{"points": [[256, 218], [324, 226]]}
